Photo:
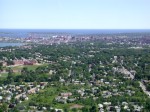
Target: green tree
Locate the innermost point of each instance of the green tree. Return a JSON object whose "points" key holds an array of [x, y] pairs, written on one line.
{"points": [[3, 107], [93, 109], [85, 109]]}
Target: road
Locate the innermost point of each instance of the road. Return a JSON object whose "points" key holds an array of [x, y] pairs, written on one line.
{"points": [[144, 89]]}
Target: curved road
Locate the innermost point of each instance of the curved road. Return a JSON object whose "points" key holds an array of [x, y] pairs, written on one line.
{"points": [[144, 89]]}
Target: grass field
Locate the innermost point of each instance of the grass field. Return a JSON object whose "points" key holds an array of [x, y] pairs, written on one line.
{"points": [[3, 76], [30, 67], [17, 70]]}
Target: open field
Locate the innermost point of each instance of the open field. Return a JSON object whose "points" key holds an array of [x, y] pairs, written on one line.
{"points": [[17, 70], [3, 75], [30, 67]]}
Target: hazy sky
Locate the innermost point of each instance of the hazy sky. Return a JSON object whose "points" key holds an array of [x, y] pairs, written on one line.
{"points": [[75, 14]]}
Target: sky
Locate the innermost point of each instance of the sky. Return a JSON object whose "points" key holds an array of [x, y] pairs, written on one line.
{"points": [[74, 14]]}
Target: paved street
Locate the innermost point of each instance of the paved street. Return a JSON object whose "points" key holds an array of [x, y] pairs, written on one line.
{"points": [[144, 89]]}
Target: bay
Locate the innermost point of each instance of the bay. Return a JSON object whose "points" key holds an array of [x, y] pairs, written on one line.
{"points": [[23, 33], [2, 44]]}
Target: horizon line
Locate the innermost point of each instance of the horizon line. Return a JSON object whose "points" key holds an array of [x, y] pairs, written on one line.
{"points": [[69, 29]]}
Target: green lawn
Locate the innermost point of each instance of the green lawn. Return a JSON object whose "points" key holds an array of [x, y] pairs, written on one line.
{"points": [[30, 67], [18, 70], [3, 76]]}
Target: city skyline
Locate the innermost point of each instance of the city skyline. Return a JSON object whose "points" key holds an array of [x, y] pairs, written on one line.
{"points": [[67, 14]]}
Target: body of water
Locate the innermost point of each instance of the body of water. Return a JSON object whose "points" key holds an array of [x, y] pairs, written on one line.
{"points": [[10, 44], [26, 32]]}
